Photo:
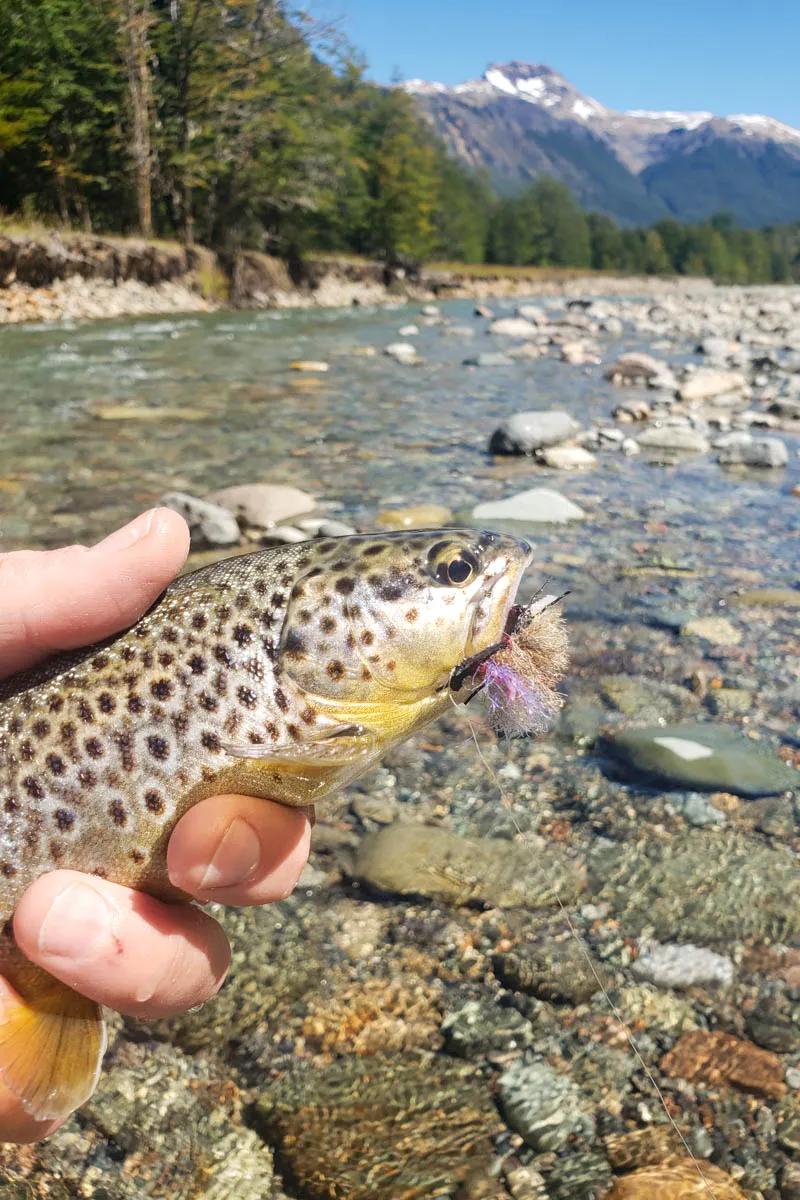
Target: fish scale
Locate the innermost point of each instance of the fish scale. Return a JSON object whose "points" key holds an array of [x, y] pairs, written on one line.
{"points": [[283, 674]]}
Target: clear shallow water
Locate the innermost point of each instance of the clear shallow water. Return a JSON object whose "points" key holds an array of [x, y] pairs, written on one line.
{"points": [[211, 401], [226, 408]]}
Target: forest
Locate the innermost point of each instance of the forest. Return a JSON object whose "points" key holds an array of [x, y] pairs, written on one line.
{"points": [[248, 124]]}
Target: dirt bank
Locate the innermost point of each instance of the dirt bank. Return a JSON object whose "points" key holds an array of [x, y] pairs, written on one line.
{"points": [[50, 277]]}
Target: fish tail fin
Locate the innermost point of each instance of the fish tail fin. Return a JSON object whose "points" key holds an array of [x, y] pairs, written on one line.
{"points": [[52, 1042]]}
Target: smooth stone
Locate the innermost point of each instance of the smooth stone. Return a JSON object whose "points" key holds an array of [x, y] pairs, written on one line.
{"points": [[416, 516], [678, 966], [286, 535], [309, 364], [705, 757], [419, 860], [768, 598], [630, 447], [568, 458], [768, 452], [729, 701], [483, 310], [483, 1027], [541, 505], [634, 368], [717, 630], [431, 310], [491, 358], [543, 1106], [527, 432], [527, 351], [697, 810], [532, 312], [706, 383], [613, 326], [646, 699], [559, 972], [402, 352], [676, 1179], [408, 331], [209, 524], [262, 505], [513, 327], [335, 529], [674, 437], [139, 412]]}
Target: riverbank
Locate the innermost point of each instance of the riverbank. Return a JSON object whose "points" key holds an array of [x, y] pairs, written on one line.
{"points": [[51, 277]]}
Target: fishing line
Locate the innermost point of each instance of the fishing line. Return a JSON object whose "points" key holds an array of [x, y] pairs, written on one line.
{"points": [[507, 804]]}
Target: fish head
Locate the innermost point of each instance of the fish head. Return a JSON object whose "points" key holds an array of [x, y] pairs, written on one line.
{"points": [[386, 619]]}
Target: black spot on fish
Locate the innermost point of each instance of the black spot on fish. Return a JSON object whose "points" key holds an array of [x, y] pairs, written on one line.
{"points": [[135, 703], [327, 624], [294, 644], [154, 802], [210, 741], [40, 728], [94, 747], [158, 747], [64, 819], [166, 659], [197, 664], [116, 810], [222, 655], [335, 669], [85, 712], [33, 787], [346, 585], [55, 704], [280, 700], [26, 751], [162, 689], [199, 620], [100, 662], [106, 702], [243, 635], [55, 763], [247, 697], [209, 703]]}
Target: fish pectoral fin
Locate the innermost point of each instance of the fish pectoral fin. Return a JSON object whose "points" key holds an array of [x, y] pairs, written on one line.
{"points": [[332, 747], [52, 1043]]}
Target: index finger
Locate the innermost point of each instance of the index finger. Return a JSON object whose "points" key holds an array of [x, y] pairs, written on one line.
{"points": [[59, 599]]}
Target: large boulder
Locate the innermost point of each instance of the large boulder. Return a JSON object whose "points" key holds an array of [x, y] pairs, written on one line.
{"points": [[527, 432]]}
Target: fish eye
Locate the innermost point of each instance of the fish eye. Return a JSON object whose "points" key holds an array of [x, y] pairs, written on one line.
{"points": [[452, 565]]}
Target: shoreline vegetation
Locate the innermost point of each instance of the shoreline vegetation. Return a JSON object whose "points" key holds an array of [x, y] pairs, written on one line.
{"points": [[49, 276], [249, 128]]}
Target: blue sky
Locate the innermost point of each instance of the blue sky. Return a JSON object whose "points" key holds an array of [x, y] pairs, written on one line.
{"points": [[736, 56]]}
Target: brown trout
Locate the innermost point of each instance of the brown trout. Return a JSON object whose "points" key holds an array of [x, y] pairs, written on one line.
{"points": [[283, 674]]}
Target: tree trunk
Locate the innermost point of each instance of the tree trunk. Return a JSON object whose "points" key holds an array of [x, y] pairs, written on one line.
{"points": [[136, 49]]}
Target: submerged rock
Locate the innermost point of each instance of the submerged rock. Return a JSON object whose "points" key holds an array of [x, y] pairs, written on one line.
{"points": [[715, 1057], [537, 504], [527, 432], [717, 630], [715, 887], [674, 437], [705, 757], [381, 1127], [513, 327], [543, 1106], [560, 972], [489, 358], [684, 1179], [670, 965], [417, 860], [403, 352], [568, 458], [483, 1027], [634, 368], [416, 516]]}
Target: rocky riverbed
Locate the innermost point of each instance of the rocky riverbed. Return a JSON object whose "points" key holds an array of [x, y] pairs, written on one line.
{"points": [[494, 964]]}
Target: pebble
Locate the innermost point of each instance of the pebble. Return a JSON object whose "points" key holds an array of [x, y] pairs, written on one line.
{"points": [[313, 366], [768, 452], [715, 1057], [483, 1027], [489, 358], [677, 438], [543, 1106], [568, 458], [719, 631], [634, 368], [286, 535], [560, 972], [540, 505], [513, 327], [402, 352], [262, 505], [672, 965], [683, 1179], [408, 331], [527, 432], [415, 516], [209, 524]]}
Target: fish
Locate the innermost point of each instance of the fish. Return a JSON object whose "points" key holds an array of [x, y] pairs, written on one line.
{"points": [[283, 674]]}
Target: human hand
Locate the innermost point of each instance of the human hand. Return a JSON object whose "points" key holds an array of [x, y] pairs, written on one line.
{"points": [[158, 959]]}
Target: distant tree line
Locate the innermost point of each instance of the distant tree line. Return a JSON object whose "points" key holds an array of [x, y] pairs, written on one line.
{"points": [[244, 123]]}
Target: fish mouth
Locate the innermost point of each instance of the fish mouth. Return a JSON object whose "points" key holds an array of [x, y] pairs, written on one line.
{"points": [[502, 614]]}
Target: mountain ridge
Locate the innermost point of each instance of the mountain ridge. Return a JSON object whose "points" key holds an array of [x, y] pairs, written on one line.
{"points": [[520, 120]]}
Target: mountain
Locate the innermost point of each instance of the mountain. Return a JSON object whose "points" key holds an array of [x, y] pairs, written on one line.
{"points": [[520, 120]]}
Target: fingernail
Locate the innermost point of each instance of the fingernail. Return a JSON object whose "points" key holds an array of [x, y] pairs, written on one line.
{"points": [[236, 857], [79, 924], [134, 531]]}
